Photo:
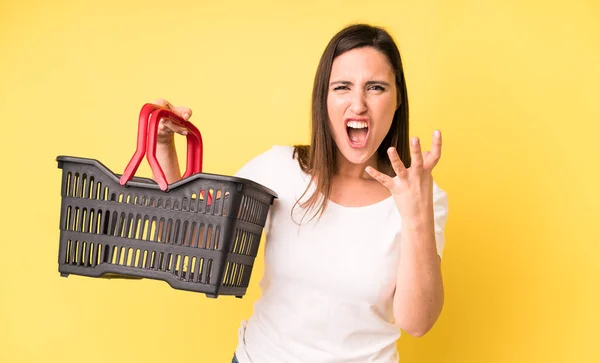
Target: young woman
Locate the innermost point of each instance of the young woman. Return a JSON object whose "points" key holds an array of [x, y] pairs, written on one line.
{"points": [[354, 241]]}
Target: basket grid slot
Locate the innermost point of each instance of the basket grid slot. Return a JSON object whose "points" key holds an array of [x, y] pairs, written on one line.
{"points": [[89, 254], [219, 203], [83, 186], [143, 227], [252, 210], [244, 242], [235, 275], [83, 253]]}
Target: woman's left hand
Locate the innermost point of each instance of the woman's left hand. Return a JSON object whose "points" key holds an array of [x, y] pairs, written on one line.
{"points": [[412, 188]]}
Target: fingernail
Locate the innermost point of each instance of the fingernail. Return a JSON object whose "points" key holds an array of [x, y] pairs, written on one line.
{"points": [[414, 141], [436, 133], [186, 116], [184, 133]]}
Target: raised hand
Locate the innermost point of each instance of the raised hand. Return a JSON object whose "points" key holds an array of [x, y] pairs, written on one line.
{"points": [[412, 188]]}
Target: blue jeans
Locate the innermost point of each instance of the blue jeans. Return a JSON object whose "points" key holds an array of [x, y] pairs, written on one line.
{"points": [[234, 360]]}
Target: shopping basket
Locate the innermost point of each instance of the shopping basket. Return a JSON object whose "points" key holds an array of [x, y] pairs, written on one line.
{"points": [[201, 233]]}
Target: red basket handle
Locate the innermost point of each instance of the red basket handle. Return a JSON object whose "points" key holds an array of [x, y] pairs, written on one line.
{"points": [[146, 144]]}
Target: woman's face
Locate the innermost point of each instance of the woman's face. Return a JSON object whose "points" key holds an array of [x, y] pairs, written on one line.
{"points": [[361, 102]]}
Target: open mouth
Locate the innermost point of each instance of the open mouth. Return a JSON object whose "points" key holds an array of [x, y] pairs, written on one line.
{"points": [[358, 132]]}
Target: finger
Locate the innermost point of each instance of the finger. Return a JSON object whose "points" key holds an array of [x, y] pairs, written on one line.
{"points": [[183, 112], [436, 150], [415, 153], [397, 164], [170, 126], [163, 103], [385, 180]]}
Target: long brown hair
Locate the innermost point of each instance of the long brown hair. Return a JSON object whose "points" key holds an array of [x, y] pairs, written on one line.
{"points": [[319, 158]]}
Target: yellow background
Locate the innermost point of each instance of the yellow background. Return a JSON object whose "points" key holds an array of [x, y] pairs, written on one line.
{"points": [[513, 85]]}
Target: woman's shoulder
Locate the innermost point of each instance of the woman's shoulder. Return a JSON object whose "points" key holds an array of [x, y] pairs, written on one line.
{"points": [[269, 166], [277, 154]]}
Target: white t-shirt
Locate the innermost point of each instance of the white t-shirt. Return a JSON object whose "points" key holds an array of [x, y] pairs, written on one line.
{"points": [[328, 286]]}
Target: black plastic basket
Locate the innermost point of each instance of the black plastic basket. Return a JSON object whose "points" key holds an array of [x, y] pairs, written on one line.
{"points": [[199, 234]]}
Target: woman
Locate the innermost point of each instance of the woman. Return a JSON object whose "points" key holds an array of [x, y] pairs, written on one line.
{"points": [[353, 243]]}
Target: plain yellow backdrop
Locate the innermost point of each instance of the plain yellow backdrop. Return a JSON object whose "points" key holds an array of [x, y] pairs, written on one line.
{"points": [[513, 85]]}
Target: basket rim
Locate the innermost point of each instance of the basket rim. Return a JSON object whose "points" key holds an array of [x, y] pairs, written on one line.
{"points": [[148, 183]]}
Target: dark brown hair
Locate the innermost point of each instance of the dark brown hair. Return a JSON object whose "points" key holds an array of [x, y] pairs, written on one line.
{"points": [[319, 158]]}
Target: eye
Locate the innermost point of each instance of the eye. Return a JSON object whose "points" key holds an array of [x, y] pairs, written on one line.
{"points": [[377, 87], [339, 88]]}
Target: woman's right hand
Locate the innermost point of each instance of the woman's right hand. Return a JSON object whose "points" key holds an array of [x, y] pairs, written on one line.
{"points": [[167, 128], [166, 153]]}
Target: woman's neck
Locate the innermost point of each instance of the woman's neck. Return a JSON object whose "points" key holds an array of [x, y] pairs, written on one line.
{"points": [[346, 169]]}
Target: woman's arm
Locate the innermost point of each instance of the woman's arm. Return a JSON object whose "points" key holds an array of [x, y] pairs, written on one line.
{"points": [[166, 154], [419, 295]]}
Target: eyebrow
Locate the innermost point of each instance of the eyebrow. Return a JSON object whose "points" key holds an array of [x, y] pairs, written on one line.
{"points": [[369, 83]]}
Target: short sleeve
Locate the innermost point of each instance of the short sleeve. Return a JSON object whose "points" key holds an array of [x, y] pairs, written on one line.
{"points": [[440, 214], [266, 167], [269, 169]]}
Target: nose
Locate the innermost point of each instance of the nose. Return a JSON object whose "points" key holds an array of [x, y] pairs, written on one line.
{"points": [[358, 104]]}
